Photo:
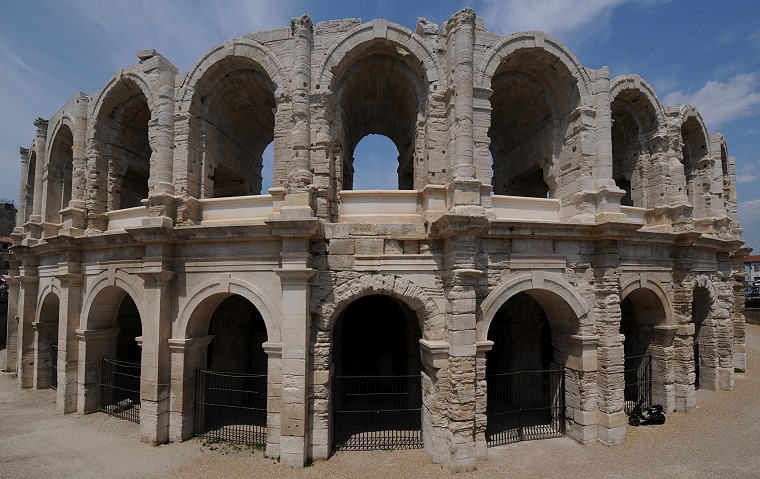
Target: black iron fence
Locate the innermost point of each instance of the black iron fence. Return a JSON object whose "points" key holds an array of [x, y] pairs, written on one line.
{"points": [[525, 405], [54, 366], [231, 406], [638, 381], [120, 389], [377, 412]]}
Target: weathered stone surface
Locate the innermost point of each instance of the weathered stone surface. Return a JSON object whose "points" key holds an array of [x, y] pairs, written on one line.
{"points": [[546, 217]]}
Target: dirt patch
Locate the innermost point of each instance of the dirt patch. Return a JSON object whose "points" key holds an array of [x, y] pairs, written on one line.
{"points": [[719, 439]]}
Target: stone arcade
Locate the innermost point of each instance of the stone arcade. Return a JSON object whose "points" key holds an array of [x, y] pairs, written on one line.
{"points": [[546, 216]]}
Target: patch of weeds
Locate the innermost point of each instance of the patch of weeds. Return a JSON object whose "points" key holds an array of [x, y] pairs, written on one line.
{"points": [[225, 447], [738, 370]]}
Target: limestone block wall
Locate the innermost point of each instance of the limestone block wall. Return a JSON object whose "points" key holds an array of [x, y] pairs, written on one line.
{"points": [[599, 218]]}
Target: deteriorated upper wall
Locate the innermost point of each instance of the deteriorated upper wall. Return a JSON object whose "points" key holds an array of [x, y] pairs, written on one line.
{"points": [[518, 115]]}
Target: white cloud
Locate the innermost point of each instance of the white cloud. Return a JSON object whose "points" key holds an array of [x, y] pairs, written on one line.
{"points": [[719, 102], [181, 30], [553, 16], [749, 211], [747, 174], [557, 17]]}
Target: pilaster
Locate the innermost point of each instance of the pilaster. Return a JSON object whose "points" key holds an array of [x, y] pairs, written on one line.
{"points": [[94, 344], [187, 356], [69, 319], [27, 315], [295, 280], [155, 376]]}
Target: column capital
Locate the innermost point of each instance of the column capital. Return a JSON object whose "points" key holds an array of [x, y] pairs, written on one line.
{"points": [[184, 344], [42, 125]]}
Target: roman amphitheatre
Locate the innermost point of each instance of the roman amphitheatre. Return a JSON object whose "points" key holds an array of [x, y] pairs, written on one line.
{"points": [[561, 245]]}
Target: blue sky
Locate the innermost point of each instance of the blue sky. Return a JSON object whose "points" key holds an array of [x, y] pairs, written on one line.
{"points": [[691, 51]]}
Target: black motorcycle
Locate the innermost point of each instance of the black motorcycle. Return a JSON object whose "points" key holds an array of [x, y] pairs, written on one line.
{"points": [[649, 415]]}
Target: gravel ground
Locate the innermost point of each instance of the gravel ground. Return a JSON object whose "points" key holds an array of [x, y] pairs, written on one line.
{"points": [[720, 439]]}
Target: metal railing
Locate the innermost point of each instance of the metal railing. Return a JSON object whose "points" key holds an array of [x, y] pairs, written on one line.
{"points": [[525, 406], [377, 412], [231, 406], [120, 389], [54, 366], [638, 381]]}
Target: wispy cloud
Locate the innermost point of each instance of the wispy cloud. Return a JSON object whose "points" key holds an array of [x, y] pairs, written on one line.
{"points": [[719, 102], [749, 211], [180, 30], [748, 174], [557, 17]]}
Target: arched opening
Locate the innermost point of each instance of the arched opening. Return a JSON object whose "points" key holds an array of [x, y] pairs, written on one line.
{"points": [[121, 368], [112, 355], [121, 134], [533, 97], [231, 395], [46, 357], [371, 166], [59, 174], [377, 394], [704, 339], [695, 165], [525, 396], [381, 93], [633, 124], [641, 310], [235, 105]]}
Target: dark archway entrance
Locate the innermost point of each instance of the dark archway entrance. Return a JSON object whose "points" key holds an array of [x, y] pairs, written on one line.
{"points": [[231, 397], [525, 385], [637, 369], [47, 343], [120, 373], [377, 392]]}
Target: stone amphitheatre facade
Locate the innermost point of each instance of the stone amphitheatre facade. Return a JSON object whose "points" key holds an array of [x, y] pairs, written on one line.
{"points": [[547, 218]]}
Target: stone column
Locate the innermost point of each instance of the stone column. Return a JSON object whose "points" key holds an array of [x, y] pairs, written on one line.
{"points": [[11, 338], [326, 176], [723, 312], [461, 33], [161, 203], [294, 279], [96, 189], [73, 215], [69, 319], [22, 192], [460, 251], [155, 372], [663, 366], [303, 36], [481, 399], [27, 315], [35, 219], [608, 194], [39, 151], [610, 354], [187, 356], [581, 391], [739, 321], [94, 344], [274, 397]]}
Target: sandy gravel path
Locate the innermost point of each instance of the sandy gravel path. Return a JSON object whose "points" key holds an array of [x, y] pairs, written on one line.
{"points": [[721, 439]]}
